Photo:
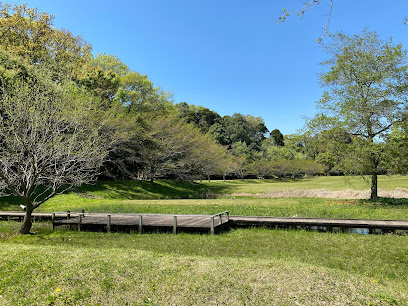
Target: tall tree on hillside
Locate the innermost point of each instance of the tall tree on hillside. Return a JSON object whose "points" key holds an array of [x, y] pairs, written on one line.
{"points": [[240, 128], [277, 138], [200, 116], [29, 35], [366, 96]]}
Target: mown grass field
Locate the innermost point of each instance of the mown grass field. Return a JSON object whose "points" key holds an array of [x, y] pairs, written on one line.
{"points": [[240, 267]]}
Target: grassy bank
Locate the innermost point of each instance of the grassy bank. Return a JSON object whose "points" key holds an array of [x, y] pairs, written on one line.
{"points": [[253, 266], [172, 189], [302, 207], [175, 197]]}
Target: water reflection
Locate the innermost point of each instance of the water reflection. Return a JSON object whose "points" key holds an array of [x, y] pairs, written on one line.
{"points": [[360, 231]]}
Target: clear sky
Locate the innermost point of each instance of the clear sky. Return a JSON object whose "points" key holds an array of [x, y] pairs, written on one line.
{"points": [[228, 55]]}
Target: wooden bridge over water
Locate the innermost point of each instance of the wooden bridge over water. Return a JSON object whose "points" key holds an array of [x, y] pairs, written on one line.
{"points": [[200, 223]]}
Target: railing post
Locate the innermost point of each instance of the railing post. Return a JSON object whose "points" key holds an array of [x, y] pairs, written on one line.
{"points": [[52, 220], [212, 226], [79, 222], [69, 217], [140, 224], [174, 225], [109, 224]]}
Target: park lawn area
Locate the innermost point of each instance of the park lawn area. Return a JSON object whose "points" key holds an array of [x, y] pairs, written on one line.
{"points": [[240, 267], [176, 197], [279, 207], [332, 183]]}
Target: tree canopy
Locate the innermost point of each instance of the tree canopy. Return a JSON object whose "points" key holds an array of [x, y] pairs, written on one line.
{"points": [[365, 96]]}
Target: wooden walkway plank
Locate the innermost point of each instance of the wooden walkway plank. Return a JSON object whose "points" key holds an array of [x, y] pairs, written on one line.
{"points": [[200, 222], [349, 223]]}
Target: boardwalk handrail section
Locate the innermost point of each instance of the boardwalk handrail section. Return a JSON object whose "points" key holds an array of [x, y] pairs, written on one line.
{"points": [[212, 230]]}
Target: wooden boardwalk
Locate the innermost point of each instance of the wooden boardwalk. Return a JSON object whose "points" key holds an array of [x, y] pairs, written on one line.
{"points": [[202, 223], [242, 221], [139, 222]]}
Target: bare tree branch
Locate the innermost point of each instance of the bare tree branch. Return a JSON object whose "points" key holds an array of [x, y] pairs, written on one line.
{"points": [[307, 6]]}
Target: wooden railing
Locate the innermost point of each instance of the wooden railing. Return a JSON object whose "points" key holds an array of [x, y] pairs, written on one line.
{"points": [[212, 230]]}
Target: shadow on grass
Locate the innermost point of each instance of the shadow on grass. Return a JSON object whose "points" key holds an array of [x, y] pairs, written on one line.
{"points": [[10, 203], [388, 202], [161, 189]]}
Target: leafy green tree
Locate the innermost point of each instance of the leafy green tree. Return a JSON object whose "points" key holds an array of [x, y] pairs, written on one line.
{"points": [[366, 96], [262, 168], [30, 36], [108, 62], [277, 138], [395, 149], [103, 84], [138, 94], [240, 128], [201, 116], [170, 147]]}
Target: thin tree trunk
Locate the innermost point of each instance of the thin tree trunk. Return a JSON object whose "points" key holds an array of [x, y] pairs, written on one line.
{"points": [[374, 187], [209, 178], [27, 223], [223, 178]]}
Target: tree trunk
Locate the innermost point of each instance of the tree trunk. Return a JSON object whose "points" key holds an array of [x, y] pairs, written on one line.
{"points": [[223, 178], [209, 178], [27, 223], [374, 187]]}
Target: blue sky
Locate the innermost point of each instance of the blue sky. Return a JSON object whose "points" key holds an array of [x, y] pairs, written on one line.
{"points": [[228, 55]]}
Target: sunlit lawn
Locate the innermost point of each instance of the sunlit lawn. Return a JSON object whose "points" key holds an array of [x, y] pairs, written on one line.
{"points": [[322, 182], [239, 267]]}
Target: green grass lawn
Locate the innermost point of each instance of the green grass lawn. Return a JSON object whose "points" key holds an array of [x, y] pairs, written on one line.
{"points": [[239, 267], [171, 189], [323, 182], [175, 197]]}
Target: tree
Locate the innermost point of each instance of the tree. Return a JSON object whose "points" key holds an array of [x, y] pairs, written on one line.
{"points": [[240, 128], [366, 96], [29, 35], [201, 116], [51, 139], [277, 138], [108, 62], [261, 168], [170, 147]]}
